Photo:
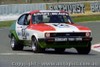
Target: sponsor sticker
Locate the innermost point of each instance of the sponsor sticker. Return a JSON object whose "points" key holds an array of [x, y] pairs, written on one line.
{"points": [[68, 39], [71, 39], [60, 39], [50, 13], [78, 39], [19, 33], [61, 25], [27, 34]]}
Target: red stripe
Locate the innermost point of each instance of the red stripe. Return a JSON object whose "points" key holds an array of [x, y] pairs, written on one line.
{"points": [[96, 46], [41, 27], [81, 28]]}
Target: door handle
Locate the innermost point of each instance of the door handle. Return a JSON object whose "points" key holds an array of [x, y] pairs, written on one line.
{"points": [[19, 27]]}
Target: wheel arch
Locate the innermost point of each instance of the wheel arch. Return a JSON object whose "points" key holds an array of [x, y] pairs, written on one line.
{"points": [[15, 35], [34, 35]]}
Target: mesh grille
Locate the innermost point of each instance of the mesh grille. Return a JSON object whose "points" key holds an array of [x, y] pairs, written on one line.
{"points": [[66, 34]]}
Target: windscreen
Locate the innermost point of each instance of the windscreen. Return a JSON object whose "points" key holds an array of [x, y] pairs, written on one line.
{"points": [[51, 18]]}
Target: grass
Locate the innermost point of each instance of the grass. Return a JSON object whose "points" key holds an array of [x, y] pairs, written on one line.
{"points": [[75, 19], [6, 23], [86, 18]]}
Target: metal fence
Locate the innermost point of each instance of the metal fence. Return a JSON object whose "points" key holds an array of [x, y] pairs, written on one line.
{"points": [[12, 11], [18, 9], [38, 1]]}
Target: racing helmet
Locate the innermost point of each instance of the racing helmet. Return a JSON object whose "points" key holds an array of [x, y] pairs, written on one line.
{"points": [[28, 19]]}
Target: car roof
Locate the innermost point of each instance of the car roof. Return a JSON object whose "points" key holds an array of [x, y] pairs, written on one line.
{"points": [[39, 11]]}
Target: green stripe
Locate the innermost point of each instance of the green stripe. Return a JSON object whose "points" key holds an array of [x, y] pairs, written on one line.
{"points": [[13, 30]]}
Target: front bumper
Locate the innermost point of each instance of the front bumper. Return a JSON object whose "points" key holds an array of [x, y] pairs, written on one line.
{"points": [[64, 42], [64, 39]]}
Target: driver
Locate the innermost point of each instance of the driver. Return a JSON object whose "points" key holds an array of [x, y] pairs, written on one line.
{"points": [[28, 19]]}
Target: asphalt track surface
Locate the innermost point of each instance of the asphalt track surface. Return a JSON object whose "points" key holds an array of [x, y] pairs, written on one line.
{"points": [[69, 58]]}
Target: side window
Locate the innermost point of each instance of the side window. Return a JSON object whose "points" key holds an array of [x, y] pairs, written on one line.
{"points": [[21, 20]]}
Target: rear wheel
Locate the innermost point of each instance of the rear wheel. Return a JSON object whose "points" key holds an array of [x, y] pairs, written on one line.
{"points": [[84, 50], [15, 45], [36, 47], [59, 50]]}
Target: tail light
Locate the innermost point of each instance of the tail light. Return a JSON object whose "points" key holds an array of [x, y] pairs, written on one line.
{"points": [[47, 35]]}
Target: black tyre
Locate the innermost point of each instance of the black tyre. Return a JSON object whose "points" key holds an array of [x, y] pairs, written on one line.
{"points": [[59, 50], [36, 47], [15, 45], [84, 50]]}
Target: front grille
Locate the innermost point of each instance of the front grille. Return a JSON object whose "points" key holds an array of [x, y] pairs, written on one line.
{"points": [[67, 34]]}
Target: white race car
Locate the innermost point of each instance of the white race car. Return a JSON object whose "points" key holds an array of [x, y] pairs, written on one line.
{"points": [[49, 29]]}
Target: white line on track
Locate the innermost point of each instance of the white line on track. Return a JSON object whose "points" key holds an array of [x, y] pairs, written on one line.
{"points": [[96, 47], [19, 54]]}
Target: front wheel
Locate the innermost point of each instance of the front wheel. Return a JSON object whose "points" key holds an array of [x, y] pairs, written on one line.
{"points": [[84, 50], [15, 45], [36, 47]]}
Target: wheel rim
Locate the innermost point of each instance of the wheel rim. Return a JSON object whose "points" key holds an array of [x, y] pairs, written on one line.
{"points": [[33, 46], [12, 42]]}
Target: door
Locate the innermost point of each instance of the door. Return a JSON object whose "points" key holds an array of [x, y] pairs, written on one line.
{"points": [[21, 27]]}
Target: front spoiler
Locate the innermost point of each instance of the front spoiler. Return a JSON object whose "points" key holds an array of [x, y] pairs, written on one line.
{"points": [[52, 43]]}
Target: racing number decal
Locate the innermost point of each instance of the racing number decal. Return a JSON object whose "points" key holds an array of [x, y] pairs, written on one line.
{"points": [[61, 25], [24, 34]]}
